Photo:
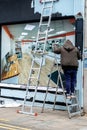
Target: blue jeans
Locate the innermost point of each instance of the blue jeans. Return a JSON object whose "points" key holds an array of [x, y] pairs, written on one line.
{"points": [[70, 80]]}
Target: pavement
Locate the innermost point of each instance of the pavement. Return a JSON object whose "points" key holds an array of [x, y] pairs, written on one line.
{"points": [[11, 119]]}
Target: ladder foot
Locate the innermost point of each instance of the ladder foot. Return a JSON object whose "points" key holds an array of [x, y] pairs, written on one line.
{"points": [[42, 111], [28, 113], [35, 114], [83, 113], [70, 117], [17, 111]]}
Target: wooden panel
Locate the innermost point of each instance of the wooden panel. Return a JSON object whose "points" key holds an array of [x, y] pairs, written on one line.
{"points": [[25, 64], [13, 68]]}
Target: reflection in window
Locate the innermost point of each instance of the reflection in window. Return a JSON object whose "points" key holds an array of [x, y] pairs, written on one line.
{"points": [[21, 42]]}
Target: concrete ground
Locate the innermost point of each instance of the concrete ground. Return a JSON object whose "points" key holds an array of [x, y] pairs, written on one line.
{"points": [[10, 119]]}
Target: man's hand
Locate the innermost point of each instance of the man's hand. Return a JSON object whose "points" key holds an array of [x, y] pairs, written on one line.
{"points": [[54, 47]]}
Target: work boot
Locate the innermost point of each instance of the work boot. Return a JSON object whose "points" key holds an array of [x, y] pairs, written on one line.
{"points": [[72, 95], [68, 96]]}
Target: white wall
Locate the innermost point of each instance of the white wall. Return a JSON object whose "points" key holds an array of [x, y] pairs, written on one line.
{"points": [[25, 47], [79, 6], [71, 38], [66, 7], [12, 46], [5, 47]]}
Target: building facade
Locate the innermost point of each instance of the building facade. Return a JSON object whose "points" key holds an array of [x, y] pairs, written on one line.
{"points": [[85, 46], [29, 11]]}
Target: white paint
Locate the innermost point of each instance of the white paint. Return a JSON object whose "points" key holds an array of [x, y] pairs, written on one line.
{"points": [[12, 80], [66, 7], [5, 47]]}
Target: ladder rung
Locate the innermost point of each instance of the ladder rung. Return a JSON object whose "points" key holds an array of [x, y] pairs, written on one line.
{"points": [[32, 77], [44, 24], [47, 7], [26, 105], [74, 97], [28, 98], [46, 15], [47, 1], [40, 41], [30, 113], [39, 53], [35, 68], [72, 105], [75, 113], [43, 33]]}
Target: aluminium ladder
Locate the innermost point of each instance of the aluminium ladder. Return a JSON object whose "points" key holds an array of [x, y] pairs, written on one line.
{"points": [[42, 32], [72, 104]]}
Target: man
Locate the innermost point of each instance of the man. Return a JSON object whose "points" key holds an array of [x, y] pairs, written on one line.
{"points": [[69, 62]]}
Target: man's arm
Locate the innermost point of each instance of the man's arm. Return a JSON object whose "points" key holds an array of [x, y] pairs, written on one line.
{"points": [[56, 49], [79, 54]]}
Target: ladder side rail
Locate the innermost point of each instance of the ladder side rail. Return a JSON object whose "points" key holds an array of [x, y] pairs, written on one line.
{"points": [[58, 79], [47, 88], [64, 94], [29, 82], [38, 77], [41, 18], [42, 55], [31, 69], [45, 41], [38, 33], [50, 13], [25, 98], [67, 105], [65, 97], [34, 55], [27, 88], [49, 21], [78, 107], [37, 39]]}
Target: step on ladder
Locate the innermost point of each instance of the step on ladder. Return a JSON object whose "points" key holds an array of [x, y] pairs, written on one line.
{"points": [[43, 31], [74, 108], [72, 104]]}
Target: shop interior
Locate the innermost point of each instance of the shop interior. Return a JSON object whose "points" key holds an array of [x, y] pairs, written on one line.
{"points": [[18, 42]]}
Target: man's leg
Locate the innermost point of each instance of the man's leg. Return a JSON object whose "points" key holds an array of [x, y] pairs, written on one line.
{"points": [[73, 80], [67, 81]]}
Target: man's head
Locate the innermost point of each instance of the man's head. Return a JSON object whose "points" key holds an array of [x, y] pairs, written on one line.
{"points": [[68, 41]]}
